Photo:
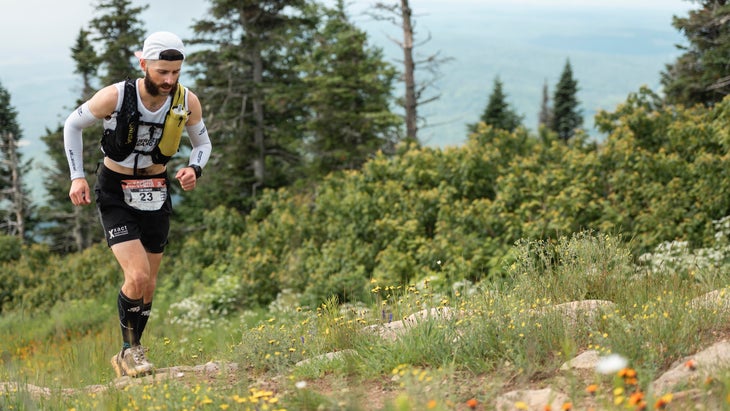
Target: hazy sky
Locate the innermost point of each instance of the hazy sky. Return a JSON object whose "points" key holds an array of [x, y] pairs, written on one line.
{"points": [[39, 30], [38, 34]]}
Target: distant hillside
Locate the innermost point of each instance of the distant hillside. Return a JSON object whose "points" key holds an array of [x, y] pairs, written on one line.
{"points": [[613, 52]]}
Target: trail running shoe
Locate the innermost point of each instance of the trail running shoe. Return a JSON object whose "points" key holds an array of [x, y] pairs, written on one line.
{"points": [[132, 362]]}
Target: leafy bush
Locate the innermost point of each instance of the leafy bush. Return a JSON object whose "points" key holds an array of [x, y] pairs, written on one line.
{"points": [[447, 215], [10, 248], [451, 215]]}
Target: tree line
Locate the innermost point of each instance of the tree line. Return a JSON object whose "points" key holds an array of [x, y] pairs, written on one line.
{"points": [[293, 92], [298, 94]]}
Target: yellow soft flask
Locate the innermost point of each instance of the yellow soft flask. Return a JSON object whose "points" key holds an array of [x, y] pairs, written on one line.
{"points": [[172, 132]]}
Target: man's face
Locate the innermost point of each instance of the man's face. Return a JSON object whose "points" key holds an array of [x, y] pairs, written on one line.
{"points": [[161, 76]]}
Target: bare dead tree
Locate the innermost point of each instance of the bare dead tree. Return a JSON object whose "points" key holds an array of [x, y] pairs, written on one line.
{"points": [[13, 193], [401, 15]]}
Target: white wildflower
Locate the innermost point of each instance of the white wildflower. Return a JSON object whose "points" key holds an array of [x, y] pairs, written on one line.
{"points": [[611, 364]]}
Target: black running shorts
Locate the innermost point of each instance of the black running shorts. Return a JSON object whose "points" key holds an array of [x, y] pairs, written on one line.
{"points": [[134, 208]]}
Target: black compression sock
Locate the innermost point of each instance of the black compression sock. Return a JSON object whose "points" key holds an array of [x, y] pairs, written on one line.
{"points": [[144, 317], [130, 312]]}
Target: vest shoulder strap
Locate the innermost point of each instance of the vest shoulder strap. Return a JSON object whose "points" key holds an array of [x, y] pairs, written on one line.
{"points": [[120, 142]]}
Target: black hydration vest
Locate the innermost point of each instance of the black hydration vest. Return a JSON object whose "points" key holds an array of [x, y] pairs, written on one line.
{"points": [[119, 143]]}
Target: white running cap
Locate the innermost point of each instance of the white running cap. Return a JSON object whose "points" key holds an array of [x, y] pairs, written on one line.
{"points": [[158, 42]]}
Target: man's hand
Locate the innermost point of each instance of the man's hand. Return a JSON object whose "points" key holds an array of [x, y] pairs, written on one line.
{"points": [[186, 177], [79, 192]]}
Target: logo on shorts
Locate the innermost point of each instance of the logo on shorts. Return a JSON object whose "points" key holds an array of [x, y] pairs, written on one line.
{"points": [[118, 231]]}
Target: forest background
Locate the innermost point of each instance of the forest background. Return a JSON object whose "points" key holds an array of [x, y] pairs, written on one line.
{"points": [[303, 186], [318, 200], [615, 47]]}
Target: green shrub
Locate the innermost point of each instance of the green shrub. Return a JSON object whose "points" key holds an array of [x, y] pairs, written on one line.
{"points": [[10, 248]]}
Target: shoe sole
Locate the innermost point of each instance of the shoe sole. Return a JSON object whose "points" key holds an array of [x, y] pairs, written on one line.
{"points": [[121, 372], [117, 367], [135, 374]]}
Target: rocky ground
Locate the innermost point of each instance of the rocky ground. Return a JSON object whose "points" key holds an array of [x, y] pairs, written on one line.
{"points": [[687, 384]]}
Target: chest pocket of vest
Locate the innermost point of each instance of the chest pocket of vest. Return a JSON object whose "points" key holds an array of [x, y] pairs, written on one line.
{"points": [[120, 142]]}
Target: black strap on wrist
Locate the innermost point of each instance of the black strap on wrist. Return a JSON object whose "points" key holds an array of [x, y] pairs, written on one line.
{"points": [[198, 170]]}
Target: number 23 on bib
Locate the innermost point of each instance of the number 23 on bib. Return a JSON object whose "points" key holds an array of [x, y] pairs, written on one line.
{"points": [[146, 195]]}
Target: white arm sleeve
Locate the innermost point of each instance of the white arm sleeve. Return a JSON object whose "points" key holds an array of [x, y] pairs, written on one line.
{"points": [[72, 141], [200, 141]]}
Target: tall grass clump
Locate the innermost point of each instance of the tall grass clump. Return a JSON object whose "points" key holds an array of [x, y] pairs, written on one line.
{"points": [[584, 266]]}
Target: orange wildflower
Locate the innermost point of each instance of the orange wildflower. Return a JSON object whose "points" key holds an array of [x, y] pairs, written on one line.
{"points": [[591, 389], [691, 364], [472, 403], [636, 398], [663, 401], [568, 406], [629, 376], [626, 372]]}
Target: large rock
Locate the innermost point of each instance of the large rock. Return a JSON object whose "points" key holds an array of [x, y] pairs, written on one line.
{"points": [[695, 368], [392, 330], [584, 361]]}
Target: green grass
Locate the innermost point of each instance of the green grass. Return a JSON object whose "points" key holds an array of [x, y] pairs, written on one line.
{"points": [[497, 337]]}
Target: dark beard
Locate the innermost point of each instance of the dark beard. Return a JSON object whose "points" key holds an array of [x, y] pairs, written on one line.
{"points": [[152, 87]]}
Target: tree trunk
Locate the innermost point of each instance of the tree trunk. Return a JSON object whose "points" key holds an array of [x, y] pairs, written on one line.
{"points": [[15, 191], [410, 103], [258, 113]]}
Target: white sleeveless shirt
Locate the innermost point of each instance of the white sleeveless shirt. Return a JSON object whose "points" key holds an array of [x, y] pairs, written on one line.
{"points": [[149, 130]]}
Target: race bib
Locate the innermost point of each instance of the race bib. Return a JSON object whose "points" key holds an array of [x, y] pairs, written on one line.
{"points": [[145, 195]]}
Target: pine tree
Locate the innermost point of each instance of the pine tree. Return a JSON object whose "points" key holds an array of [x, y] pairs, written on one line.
{"points": [[350, 93], [252, 94], [120, 32], [700, 74], [567, 116], [498, 112], [71, 228], [87, 63]]}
